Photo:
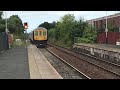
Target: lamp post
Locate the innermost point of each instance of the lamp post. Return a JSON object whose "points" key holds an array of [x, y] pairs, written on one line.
{"points": [[6, 30], [106, 29]]}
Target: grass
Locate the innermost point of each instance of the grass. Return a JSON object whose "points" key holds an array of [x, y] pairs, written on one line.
{"points": [[20, 40], [60, 43]]}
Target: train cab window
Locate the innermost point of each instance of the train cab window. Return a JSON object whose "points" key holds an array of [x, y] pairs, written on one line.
{"points": [[44, 33], [36, 33], [40, 33]]}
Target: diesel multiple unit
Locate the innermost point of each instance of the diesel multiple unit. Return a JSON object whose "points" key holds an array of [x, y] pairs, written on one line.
{"points": [[39, 36]]}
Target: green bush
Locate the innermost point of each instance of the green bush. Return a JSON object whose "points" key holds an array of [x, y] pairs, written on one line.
{"points": [[84, 40]]}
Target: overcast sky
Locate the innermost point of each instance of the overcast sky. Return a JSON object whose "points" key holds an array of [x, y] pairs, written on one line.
{"points": [[35, 18]]}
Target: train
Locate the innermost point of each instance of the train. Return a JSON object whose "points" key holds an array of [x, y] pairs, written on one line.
{"points": [[39, 36]]}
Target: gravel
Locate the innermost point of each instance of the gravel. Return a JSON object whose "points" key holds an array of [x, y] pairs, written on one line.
{"points": [[64, 70]]}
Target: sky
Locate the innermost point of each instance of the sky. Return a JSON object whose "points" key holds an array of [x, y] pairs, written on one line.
{"points": [[35, 18]]}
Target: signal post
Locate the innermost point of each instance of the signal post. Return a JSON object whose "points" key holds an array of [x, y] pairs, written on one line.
{"points": [[26, 27]]}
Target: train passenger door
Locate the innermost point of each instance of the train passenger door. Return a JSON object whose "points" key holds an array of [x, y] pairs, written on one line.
{"points": [[40, 34]]}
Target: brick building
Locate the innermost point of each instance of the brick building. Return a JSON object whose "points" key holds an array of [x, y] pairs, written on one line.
{"points": [[100, 23], [113, 24]]}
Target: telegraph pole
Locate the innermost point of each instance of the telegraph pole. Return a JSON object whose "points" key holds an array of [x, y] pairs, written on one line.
{"points": [[106, 29], [6, 30]]}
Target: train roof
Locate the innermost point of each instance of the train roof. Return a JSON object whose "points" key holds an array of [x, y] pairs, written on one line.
{"points": [[40, 28]]}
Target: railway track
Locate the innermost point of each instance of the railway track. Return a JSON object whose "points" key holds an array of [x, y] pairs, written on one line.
{"points": [[102, 63], [109, 73], [79, 72], [90, 56]]}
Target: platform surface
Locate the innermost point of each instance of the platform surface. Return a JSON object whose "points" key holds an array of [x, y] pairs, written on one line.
{"points": [[39, 67], [14, 64]]}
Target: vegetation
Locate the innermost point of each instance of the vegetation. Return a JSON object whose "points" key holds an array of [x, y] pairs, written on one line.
{"points": [[14, 25], [67, 28], [89, 35], [22, 42], [62, 32], [48, 25]]}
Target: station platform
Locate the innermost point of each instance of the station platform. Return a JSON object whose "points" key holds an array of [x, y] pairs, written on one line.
{"points": [[23, 62], [39, 67], [104, 51], [14, 63], [108, 47]]}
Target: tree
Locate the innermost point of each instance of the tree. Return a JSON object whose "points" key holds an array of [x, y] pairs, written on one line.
{"points": [[48, 25], [15, 25], [2, 23], [2, 27], [1, 13], [80, 27], [89, 35], [67, 28]]}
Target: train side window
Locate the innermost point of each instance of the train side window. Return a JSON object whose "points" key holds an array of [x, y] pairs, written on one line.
{"points": [[44, 33], [40, 33], [36, 33]]}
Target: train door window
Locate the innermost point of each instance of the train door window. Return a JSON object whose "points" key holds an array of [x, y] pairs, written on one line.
{"points": [[40, 33], [44, 33], [36, 33]]}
